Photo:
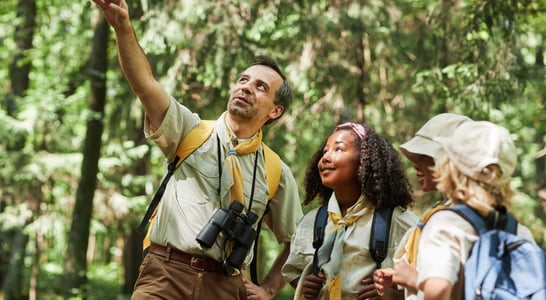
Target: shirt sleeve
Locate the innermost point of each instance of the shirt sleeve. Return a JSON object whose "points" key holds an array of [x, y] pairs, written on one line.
{"points": [[402, 221], [301, 248], [444, 247], [285, 208], [525, 233], [176, 124]]}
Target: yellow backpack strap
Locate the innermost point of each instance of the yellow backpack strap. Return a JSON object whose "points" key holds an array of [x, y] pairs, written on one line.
{"points": [[195, 138], [273, 169]]}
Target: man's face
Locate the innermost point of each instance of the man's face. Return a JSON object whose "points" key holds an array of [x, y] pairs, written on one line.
{"points": [[253, 95]]}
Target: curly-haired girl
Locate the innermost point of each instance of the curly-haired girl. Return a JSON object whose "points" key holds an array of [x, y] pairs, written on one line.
{"points": [[354, 172]]}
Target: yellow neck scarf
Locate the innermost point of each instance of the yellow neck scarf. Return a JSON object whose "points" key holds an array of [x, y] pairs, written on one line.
{"points": [[232, 163], [332, 250], [412, 245]]}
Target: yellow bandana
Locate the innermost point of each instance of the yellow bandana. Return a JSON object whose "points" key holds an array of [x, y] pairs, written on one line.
{"points": [[412, 245], [232, 163], [332, 250]]}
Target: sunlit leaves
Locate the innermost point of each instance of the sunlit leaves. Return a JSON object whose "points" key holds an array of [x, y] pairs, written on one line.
{"points": [[392, 64]]}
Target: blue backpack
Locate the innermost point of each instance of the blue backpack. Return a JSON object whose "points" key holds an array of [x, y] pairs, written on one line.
{"points": [[501, 264]]}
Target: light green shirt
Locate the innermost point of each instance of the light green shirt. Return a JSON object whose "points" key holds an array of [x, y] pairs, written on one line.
{"points": [[196, 190]]}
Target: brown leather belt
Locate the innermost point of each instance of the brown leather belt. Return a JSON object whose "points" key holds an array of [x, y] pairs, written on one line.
{"points": [[198, 263]]}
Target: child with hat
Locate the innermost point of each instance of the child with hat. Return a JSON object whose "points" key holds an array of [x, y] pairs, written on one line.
{"points": [[475, 169], [422, 151]]}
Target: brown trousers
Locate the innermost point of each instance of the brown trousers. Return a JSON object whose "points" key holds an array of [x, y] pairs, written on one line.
{"points": [[162, 279]]}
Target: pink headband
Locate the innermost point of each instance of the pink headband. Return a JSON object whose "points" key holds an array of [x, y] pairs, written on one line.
{"points": [[357, 128]]}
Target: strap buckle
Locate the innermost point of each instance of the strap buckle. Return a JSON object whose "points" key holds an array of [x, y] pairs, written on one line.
{"points": [[194, 263]]}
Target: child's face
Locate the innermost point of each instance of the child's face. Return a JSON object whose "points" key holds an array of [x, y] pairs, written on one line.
{"points": [[423, 164], [339, 164]]}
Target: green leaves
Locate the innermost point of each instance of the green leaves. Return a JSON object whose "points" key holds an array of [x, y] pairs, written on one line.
{"points": [[392, 64]]}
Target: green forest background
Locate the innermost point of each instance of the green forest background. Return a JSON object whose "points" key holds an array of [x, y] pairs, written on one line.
{"points": [[77, 174]]}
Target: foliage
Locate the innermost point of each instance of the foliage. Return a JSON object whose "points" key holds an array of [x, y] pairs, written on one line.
{"points": [[392, 64]]}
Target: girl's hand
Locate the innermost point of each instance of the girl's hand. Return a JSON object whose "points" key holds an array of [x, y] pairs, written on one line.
{"points": [[383, 279], [312, 285]]}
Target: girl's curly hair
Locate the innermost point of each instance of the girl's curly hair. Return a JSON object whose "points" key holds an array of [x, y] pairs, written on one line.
{"points": [[382, 177]]}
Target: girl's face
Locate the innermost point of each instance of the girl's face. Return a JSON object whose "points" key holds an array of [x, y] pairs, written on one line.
{"points": [[339, 164], [423, 164]]}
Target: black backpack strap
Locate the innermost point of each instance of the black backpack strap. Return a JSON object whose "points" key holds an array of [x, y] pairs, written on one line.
{"points": [[203, 129], [379, 239], [158, 194], [318, 234], [254, 262], [498, 218]]}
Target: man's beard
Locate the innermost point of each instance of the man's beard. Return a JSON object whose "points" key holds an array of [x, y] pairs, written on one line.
{"points": [[243, 113]]}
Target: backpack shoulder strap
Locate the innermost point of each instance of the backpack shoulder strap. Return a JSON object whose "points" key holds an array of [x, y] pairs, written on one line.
{"points": [[511, 224], [495, 220], [195, 138], [379, 239], [273, 170], [471, 216], [318, 233]]}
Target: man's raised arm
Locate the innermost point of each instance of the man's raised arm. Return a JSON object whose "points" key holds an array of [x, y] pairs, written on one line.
{"points": [[133, 61]]}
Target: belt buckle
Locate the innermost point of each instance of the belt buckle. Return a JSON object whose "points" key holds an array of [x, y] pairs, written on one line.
{"points": [[193, 263]]}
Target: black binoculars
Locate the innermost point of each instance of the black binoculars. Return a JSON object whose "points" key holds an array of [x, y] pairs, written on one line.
{"points": [[237, 227]]}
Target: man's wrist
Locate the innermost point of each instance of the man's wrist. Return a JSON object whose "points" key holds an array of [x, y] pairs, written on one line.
{"points": [[268, 291]]}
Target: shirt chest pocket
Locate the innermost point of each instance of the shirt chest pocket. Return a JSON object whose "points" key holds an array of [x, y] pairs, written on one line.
{"points": [[198, 178], [259, 198]]}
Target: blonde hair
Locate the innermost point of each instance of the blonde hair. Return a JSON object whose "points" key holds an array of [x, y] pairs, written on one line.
{"points": [[481, 193]]}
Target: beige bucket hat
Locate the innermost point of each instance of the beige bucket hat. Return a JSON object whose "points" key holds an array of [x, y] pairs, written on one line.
{"points": [[476, 145], [441, 125]]}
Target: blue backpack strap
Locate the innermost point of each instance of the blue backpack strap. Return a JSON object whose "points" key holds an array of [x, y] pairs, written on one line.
{"points": [[379, 239], [318, 234], [471, 216], [498, 218], [512, 224]]}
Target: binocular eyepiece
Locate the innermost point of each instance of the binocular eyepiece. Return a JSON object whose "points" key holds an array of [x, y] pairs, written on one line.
{"points": [[237, 227]]}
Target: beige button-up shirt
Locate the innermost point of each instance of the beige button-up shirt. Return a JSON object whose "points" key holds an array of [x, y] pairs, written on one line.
{"points": [[196, 188]]}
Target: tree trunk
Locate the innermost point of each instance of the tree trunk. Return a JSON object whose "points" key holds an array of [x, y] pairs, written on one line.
{"points": [[19, 67], [12, 285], [540, 162], [132, 248], [19, 70], [75, 280], [132, 257]]}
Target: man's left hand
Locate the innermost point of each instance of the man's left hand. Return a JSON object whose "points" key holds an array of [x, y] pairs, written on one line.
{"points": [[255, 292]]}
